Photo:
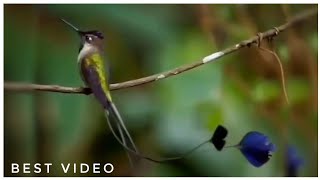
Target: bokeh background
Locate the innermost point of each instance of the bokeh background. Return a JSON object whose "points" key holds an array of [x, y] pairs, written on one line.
{"points": [[242, 91]]}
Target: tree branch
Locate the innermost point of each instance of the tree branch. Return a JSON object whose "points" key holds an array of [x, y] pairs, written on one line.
{"points": [[12, 86]]}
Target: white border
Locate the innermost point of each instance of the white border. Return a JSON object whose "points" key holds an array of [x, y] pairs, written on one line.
{"points": [[131, 2]]}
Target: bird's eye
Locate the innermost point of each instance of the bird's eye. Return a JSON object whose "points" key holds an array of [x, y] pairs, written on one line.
{"points": [[89, 38]]}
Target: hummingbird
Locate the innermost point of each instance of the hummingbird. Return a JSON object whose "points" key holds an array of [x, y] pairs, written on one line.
{"points": [[91, 64], [92, 70]]}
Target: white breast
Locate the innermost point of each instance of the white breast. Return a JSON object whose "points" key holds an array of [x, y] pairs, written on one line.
{"points": [[87, 48]]}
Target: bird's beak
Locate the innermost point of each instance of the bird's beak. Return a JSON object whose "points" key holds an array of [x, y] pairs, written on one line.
{"points": [[81, 33]]}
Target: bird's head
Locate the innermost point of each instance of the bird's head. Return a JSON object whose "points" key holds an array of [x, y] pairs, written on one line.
{"points": [[93, 38]]}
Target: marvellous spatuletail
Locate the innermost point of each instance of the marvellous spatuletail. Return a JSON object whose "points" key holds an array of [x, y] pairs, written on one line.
{"points": [[256, 148], [92, 70]]}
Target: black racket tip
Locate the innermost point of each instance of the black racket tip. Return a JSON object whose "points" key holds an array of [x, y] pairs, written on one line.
{"points": [[218, 137]]}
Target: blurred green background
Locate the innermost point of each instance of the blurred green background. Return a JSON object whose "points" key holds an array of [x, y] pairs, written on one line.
{"points": [[241, 91]]}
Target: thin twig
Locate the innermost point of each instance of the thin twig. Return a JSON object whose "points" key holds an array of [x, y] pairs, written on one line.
{"points": [[12, 86], [281, 70]]}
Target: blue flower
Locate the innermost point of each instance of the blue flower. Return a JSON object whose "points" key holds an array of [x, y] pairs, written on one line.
{"points": [[293, 161], [257, 148]]}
